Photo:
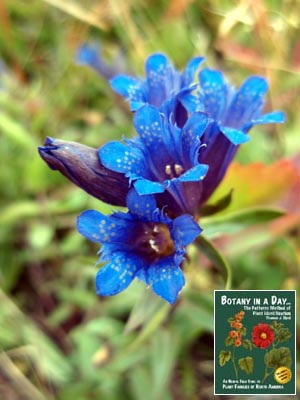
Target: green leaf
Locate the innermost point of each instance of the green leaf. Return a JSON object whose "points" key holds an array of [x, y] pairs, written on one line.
{"points": [[224, 357], [215, 257], [237, 221], [220, 205], [229, 341], [164, 345], [152, 325], [247, 344], [15, 132], [280, 357], [143, 311], [283, 334], [246, 364], [243, 331]]}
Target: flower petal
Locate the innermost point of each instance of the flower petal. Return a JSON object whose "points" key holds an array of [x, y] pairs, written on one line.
{"points": [[190, 102], [234, 135], [116, 276], [247, 102], [148, 123], [166, 279], [88, 55], [275, 117], [121, 158], [190, 70], [141, 206], [160, 77], [131, 88], [213, 92], [101, 228], [191, 133], [197, 173], [185, 230], [144, 186]]}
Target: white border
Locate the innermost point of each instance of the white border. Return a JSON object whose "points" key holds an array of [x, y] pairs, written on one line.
{"points": [[295, 355]]}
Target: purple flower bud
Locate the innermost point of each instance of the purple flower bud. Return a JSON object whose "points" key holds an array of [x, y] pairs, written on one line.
{"points": [[91, 55], [82, 166]]}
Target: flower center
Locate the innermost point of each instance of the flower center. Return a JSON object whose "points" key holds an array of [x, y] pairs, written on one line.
{"points": [[173, 171], [153, 241], [263, 335]]}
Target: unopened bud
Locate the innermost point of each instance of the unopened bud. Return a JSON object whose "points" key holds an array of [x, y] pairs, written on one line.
{"points": [[82, 166]]}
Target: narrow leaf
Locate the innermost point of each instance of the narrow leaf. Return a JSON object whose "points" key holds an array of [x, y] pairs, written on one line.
{"points": [[215, 257]]}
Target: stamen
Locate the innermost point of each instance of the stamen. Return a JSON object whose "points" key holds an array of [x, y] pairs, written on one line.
{"points": [[153, 241], [154, 246], [178, 169], [168, 170]]}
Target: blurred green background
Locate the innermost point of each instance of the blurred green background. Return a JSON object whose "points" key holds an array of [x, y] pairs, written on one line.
{"points": [[58, 340]]}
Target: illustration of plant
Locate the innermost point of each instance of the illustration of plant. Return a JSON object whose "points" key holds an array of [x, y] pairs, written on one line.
{"points": [[265, 336], [235, 340]]}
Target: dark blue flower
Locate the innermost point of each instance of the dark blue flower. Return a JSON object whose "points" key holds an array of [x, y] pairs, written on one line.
{"points": [[163, 160], [91, 55], [162, 82], [232, 114], [143, 243], [82, 166]]}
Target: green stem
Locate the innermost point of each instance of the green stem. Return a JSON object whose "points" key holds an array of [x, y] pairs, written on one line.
{"points": [[234, 364], [215, 257]]}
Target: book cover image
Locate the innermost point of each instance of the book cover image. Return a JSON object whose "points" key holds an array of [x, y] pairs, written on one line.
{"points": [[255, 334]]}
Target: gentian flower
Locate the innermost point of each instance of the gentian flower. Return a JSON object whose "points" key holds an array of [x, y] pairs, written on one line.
{"points": [[232, 113], [262, 335], [162, 82], [92, 56], [163, 160], [82, 166], [143, 243]]}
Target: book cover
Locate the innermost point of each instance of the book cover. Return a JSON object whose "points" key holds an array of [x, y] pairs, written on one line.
{"points": [[255, 342]]}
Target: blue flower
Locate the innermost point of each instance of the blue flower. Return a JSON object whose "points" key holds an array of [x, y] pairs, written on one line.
{"points": [[232, 114], [162, 82], [143, 243], [92, 56], [82, 166], [163, 160]]}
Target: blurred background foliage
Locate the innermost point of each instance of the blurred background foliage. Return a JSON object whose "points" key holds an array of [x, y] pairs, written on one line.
{"points": [[58, 340]]}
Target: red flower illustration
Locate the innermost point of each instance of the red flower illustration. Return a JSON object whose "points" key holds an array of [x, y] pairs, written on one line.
{"points": [[262, 335]]}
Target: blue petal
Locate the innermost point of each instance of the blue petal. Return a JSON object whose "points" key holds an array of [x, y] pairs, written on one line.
{"points": [[117, 275], [148, 123], [159, 72], [141, 206], [191, 133], [275, 117], [121, 158], [197, 173], [166, 279], [214, 91], [88, 55], [235, 136], [129, 87], [135, 105], [190, 70], [247, 102], [190, 102], [185, 230], [101, 228], [144, 186]]}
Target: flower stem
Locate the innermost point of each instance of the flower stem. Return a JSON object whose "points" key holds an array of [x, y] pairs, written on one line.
{"points": [[234, 364], [215, 257]]}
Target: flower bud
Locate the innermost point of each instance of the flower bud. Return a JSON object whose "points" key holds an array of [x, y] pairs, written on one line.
{"points": [[82, 166]]}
